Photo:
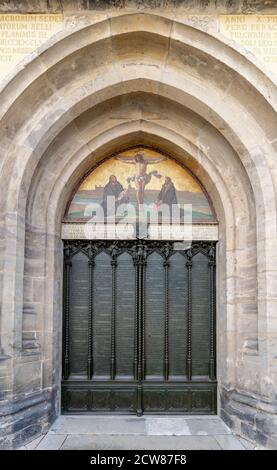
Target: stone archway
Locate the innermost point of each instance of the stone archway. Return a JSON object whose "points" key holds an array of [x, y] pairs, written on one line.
{"points": [[88, 93], [139, 307]]}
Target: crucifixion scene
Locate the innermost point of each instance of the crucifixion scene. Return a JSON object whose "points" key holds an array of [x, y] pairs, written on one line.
{"points": [[144, 179], [141, 177]]}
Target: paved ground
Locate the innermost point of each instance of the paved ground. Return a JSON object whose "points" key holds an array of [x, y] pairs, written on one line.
{"points": [[147, 432]]}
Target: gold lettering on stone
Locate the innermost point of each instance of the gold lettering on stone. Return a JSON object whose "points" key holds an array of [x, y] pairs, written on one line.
{"points": [[22, 34], [256, 33]]}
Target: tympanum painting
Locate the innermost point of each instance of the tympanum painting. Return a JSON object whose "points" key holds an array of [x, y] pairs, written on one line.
{"points": [[137, 181]]}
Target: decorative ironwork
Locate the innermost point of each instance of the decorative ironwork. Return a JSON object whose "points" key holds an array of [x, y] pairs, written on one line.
{"points": [[68, 264], [212, 310], [136, 317], [140, 391], [139, 252], [166, 345], [114, 253], [90, 312], [189, 359]]}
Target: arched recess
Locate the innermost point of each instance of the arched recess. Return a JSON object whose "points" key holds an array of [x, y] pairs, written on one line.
{"points": [[120, 83]]}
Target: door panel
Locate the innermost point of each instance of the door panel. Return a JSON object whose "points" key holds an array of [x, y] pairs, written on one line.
{"points": [[102, 320], [78, 320], [125, 317], [178, 316], [200, 315], [139, 323], [154, 317]]}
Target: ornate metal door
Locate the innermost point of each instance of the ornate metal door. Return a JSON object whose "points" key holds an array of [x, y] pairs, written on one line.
{"points": [[139, 327]]}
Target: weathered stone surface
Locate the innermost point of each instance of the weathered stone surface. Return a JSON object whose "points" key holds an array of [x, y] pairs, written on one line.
{"points": [[210, 427], [34, 443], [104, 425], [103, 85], [250, 418], [24, 419], [51, 442], [43, 6], [229, 443], [141, 442], [247, 444]]}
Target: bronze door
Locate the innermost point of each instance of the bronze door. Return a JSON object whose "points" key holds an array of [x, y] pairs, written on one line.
{"points": [[139, 327]]}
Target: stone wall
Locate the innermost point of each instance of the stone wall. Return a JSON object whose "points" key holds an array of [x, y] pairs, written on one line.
{"points": [[60, 6], [112, 78]]}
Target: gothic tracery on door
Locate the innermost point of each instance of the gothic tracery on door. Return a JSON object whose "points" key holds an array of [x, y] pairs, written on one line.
{"points": [[139, 327]]}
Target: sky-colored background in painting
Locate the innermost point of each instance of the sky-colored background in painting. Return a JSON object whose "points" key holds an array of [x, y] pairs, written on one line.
{"points": [[183, 181]]}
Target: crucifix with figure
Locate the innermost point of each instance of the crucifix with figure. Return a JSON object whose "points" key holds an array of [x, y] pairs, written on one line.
{"points": [[141, 178]]}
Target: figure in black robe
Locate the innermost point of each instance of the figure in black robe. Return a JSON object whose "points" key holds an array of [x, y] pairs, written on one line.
{"points": [[167, 194], [112, 190]]}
